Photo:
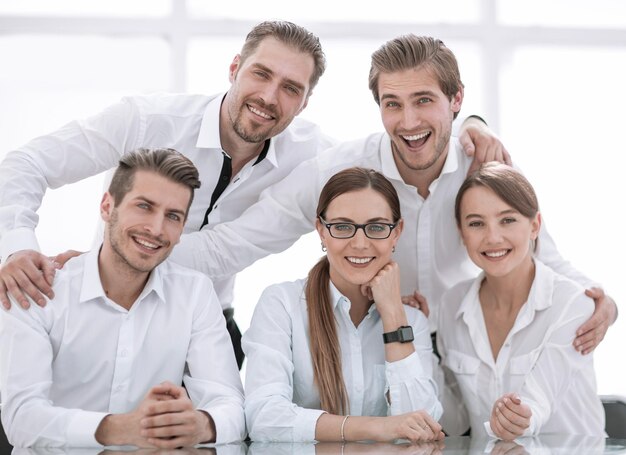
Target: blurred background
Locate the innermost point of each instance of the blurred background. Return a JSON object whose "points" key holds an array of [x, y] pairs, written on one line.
{"points": [[547, 75]]}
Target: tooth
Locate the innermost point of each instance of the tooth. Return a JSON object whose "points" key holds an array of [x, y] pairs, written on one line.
{"points": [[359, 260], [415, 137], [146, 244], [496, 254], [258, 112]]}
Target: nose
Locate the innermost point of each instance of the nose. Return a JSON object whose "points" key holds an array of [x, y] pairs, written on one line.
{"points": [[269, 94], [411, 118], [154, 224], [494, 233], [359, 240]]}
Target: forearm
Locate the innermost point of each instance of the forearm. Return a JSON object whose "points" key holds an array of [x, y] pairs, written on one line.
{"points": [[355, 428]]}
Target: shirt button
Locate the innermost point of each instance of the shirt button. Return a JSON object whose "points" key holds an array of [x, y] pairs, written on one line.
{"points": [[119, 388], [124, 353]]}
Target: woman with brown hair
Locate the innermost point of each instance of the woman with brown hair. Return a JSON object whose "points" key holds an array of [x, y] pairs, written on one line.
{"points": [[338, 357], [507, 335]]}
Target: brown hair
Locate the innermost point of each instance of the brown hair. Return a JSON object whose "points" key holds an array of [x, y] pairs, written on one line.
{"points": [[409, 52], [292, 35], [325, 351], [166, 162], [507, 183]]}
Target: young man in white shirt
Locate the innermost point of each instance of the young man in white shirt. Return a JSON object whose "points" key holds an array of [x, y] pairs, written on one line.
{"points": [[242, 142], [103, 363], [425, 164]]}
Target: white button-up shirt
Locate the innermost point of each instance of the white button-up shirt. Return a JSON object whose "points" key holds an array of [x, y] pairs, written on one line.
{"points": [[537, 360], [68, 365], [187, 123], [282, 402], [430, 252]]}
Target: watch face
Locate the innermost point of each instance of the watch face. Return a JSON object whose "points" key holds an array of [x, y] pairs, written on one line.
{"points": [[406, 334]]}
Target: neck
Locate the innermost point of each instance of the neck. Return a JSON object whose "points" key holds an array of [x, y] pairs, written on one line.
{"points": [[421, 178], [509, 291], [120, 282], [359, 304]]}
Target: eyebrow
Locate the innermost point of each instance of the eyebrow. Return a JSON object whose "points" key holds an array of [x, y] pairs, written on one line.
{"points": [[503, 212], [413, 95], [380, 219], [288, 80]]}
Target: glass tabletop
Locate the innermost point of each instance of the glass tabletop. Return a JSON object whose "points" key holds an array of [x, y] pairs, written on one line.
{"points": [[544, 445]]}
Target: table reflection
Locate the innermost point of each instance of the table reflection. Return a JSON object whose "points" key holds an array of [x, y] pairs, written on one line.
{"points": [[226, 449], [544, 445]]}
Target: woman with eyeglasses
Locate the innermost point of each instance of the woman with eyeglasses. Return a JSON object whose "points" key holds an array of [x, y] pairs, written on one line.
{"points": [[337, 356], [507, 335]]}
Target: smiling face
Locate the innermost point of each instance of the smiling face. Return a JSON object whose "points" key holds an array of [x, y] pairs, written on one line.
{"points": [[418, 116], [357, 260], [268, 90], [144, 227], [497, 236]]}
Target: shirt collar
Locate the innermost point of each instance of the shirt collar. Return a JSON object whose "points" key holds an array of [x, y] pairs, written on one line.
{"points": [[209, 135], [91, 287], [539, 297], [337, 297]]}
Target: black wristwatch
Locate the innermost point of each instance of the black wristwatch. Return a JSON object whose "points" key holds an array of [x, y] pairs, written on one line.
{"points": [[403, 335]]}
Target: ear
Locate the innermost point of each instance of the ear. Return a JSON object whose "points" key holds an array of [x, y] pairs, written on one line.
{"points": [[321, 229], [398, 229], [457, 101], [106, 206], [535, 225], [233, 68], [306, 103]]}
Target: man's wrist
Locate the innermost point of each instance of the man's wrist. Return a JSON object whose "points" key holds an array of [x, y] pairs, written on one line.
{"points": [[209, 432], [111, 430]]}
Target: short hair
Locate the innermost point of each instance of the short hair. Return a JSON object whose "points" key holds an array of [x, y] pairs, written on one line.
{"points": [[165, 162], [411, 51], [292, 35], [507, 183]]}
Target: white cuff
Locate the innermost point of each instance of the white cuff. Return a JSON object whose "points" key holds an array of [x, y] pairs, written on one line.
{"points": [[17, 240], [81, 430]]}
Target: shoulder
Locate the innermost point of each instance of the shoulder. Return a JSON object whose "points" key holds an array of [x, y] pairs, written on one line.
{"points": [[288, 294], [360, 152], [566, 295], [278, 306], [304, 131], [452, 299], [180, 280]]}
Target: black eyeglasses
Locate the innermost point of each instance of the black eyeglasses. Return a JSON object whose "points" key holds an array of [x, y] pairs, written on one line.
{"points": [[345, 230]]}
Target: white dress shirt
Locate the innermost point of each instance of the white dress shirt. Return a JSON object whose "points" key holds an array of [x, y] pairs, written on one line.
{"points": [[282, 402], [68, 365], [187, 123], [430, 252], [537, 360]]}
